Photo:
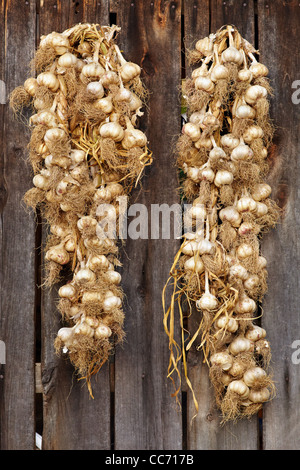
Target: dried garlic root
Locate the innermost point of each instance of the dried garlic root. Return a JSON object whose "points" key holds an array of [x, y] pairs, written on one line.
{"points": [[85, 151], [219, 268]]}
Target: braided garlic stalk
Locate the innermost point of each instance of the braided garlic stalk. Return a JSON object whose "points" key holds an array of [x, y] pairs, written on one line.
{"points": [[86, 153], [219, 268]]}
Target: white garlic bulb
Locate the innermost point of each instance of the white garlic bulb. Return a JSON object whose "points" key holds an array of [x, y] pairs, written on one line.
{"points": [[112, 130], [222, 360], [259, 396], [192, 131], [255, 333], [207, 302], [239, 387], [240, 345], [223, 177], [254, 376]]}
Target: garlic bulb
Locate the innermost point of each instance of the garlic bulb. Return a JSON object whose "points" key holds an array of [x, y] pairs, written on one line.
{"points": [[261, 191], [259, 396], [219, 72], [231, 54], [246, 204], [244, 111], [222, 360], [31, 85], [232, 215], [102, 331], [207, 302], [240, 345], [112, 130], [241, 152], [239, 271], [223, 177], [48, 80], [244, 251], [255, 333], [227, 323], [245, 305], [95, 89], [68, 291], [239, 387], [194, 263], [85, 275], [104, 104], [205, 46], [67, 60], [254, 92], [129, 71], [204, 83], [92, 70], [192, 131], [229, 141], [254, 376], [58, 254]]}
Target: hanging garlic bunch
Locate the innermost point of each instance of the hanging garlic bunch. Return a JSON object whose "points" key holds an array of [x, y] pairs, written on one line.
{"points": [[219, 268], [86, 152]]}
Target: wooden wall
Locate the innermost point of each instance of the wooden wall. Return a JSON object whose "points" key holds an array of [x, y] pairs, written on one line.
{"points": [[132, 408]]}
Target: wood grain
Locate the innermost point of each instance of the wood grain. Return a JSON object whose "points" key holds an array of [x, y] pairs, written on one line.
{"points": [[18, 241], [278, 44], [145, 413]]}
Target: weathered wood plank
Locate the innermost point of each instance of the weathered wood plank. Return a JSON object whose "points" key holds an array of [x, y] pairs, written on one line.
{"points": [[18, 240], [72, 420], [204, 431], [278, 45], [145, 413]]}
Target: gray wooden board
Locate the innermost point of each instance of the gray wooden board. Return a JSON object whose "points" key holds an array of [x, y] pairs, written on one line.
{"points": [[18, 241], [145, 413], [278, 43]]}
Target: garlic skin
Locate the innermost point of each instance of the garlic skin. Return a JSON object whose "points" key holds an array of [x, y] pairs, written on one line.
{"points": [[133, 138], [58, 254], [222, 360], [194, 264], [95, 89], [256, 333], [129, 71], [207, 302], [102, 331], [49, 80], [258, 70], [231, 54], [205, 84], [259, 396], [112, 130], [254, 376], [239, 387], [241, 152], [232, 215], [240, 345], [192, 131], [223, 177], [227, 323], [261, 191], [245, 305], [246, 204]]}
